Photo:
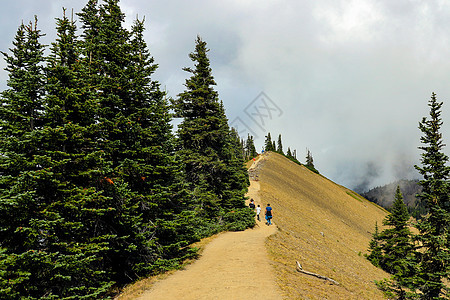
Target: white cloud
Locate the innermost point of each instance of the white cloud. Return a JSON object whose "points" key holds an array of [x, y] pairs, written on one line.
{"points": [[349, 21]]}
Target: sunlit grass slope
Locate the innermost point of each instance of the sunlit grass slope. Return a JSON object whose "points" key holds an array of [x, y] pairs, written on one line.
{"points": [[324, 226]]}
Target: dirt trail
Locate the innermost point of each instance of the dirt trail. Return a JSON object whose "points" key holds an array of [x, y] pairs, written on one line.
{"points": [[235, 265]]}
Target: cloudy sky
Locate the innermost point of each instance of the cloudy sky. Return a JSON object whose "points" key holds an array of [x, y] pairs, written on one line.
{"points": [[349, 80]]}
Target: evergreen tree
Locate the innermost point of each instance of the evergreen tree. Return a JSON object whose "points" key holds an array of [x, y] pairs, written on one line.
{"points": [[26, 184], [90, 43], [309, 159], [250, 149], [398, 250], [289, 153], [71, 156], [310, 162], [65, 224], [205, 144], [237, 180], [375, 249], [91, 188], [243, 148], [434, 227], [134, 133], [393, 250], [279, 145], [268, 145], [396, 238], [202, 135], [151, 168], [23, 100], [65, 101], [106, 56]]}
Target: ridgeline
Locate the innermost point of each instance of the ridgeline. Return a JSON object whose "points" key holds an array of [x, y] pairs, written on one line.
{"points": [[322, 225]]}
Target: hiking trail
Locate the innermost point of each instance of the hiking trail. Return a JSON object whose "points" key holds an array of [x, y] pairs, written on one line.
{"points": [[234, 265]]}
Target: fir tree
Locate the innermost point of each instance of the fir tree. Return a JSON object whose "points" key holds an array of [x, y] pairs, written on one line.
{"points": [[398, 250], [268, 145], [309, 159], [310, 162], [280, 145], [151, 168], [434, 227], [243, 148], [250, 149], [237, 180], [289, 153], [203, 131], [375, 249], [393, 251], [134, 133], [91, 192], [205, 145], [90, 43], [63, 85], [24, 99], [396, 238], [23, 223], [60, 226]]}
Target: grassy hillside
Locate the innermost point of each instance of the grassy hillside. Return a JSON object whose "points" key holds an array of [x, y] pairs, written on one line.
{"points": [[324, 226]]}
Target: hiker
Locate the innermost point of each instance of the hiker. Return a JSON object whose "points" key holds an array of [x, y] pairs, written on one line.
{"points": [[269, 214], [258, 211], [252, 204]]}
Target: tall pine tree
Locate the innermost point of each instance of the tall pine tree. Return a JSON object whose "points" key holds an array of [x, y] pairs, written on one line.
{"points": [[250, 149], [434, 227], [207, 149], [280, 145], [393, 250], [59, 252], [289, 153], [268, 144], [375, 248], [134, 133], [26, 226], [397, 246], [397, 238]]}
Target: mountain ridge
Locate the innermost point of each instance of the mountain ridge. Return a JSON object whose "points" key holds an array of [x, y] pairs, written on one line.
{"points": [[384, 195], [322, 225]]}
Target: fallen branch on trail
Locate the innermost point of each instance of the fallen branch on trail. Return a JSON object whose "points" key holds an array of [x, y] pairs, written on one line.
{"points": [[300, 269]]}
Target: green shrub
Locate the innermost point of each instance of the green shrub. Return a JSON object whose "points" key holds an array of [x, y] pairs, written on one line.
{"points": [[239, 219]]}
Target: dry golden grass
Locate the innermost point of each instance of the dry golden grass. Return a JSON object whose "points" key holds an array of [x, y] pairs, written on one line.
{"points": [[324, 226]]}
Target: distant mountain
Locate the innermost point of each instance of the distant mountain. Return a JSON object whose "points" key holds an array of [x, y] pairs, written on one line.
{"points": [[384, 195]]}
